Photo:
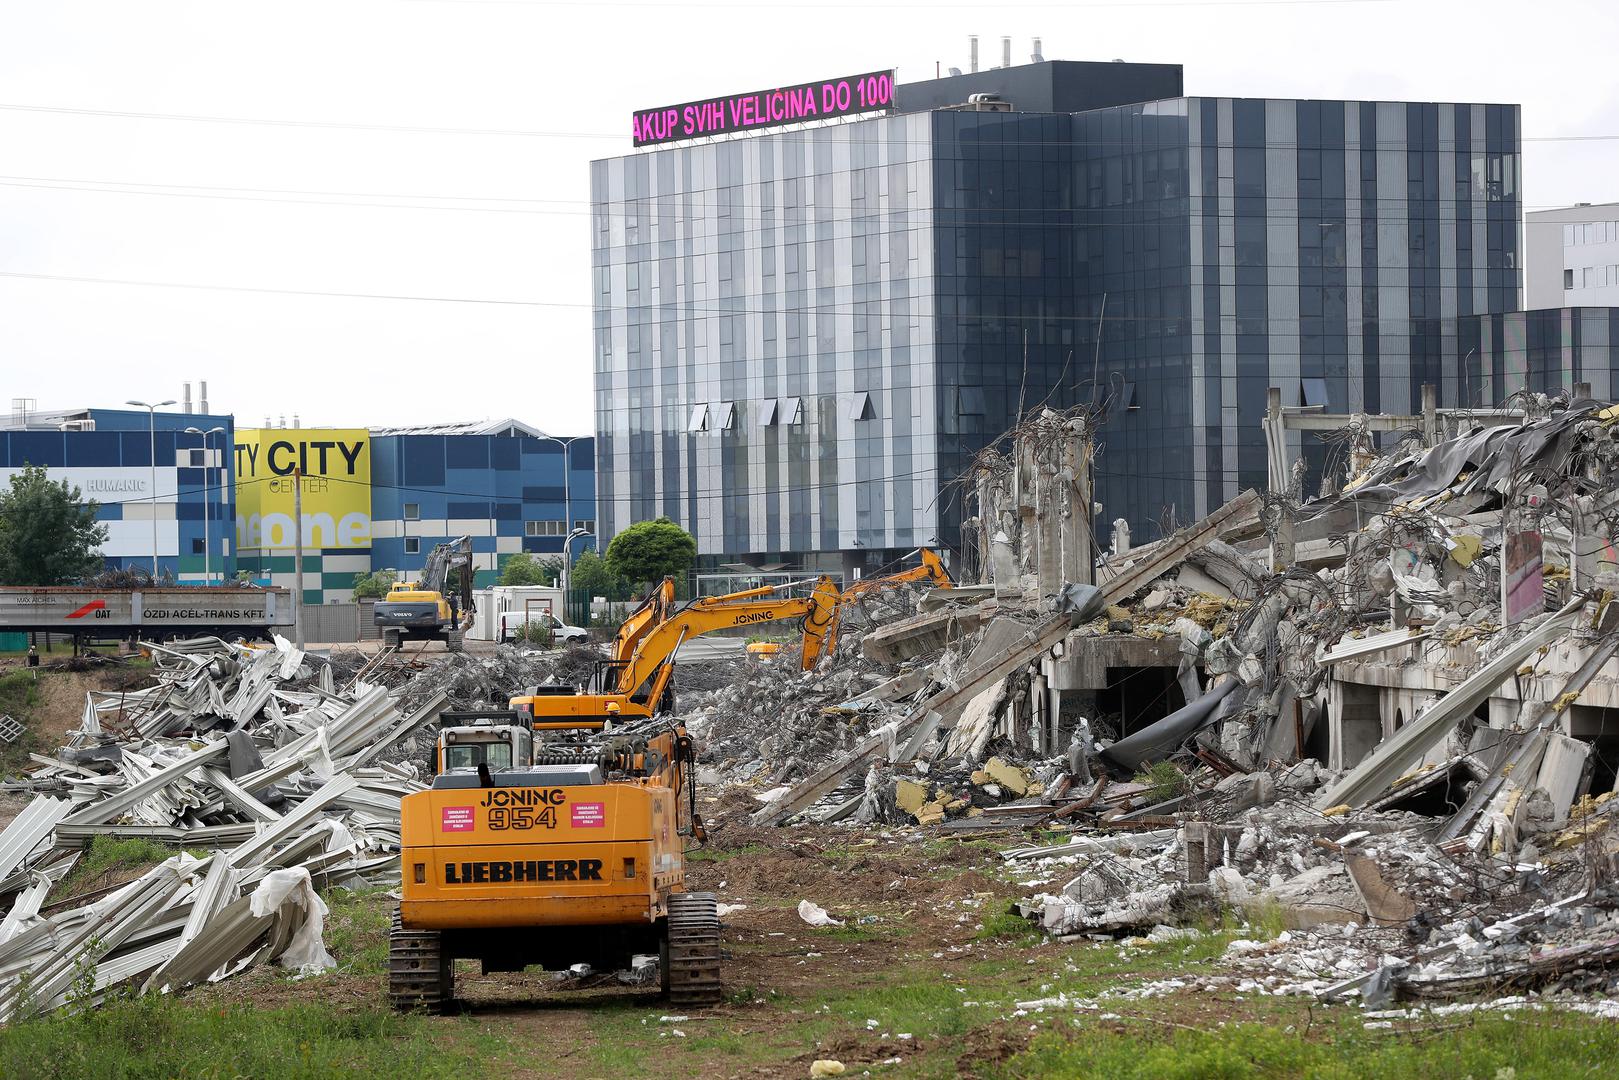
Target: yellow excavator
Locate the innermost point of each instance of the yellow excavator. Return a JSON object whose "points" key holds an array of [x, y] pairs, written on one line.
{"points": [[558, 852], [437, 605], [638, 683], [637, 679], [545, 840]]}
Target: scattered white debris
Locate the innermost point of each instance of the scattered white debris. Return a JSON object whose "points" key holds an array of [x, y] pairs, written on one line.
{"points": [[816, 915]]}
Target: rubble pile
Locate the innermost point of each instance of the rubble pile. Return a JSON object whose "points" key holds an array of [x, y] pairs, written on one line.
{"points": [[1463, 825], [253, 755]]}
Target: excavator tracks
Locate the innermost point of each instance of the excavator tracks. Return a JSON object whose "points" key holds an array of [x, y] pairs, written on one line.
{"points": [[692, 975], [420, 976]]}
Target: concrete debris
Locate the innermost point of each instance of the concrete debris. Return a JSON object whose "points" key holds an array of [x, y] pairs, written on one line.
{"points": [[1369, 902], [243, 752]]}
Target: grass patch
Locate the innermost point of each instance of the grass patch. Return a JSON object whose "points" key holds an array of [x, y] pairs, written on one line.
{"points": [[718, 854], [163, 1036], [1265, 919], [1165, 780], [107, 855], [19, 696], [849, 931], [1009, 926], [1485, 1048], [357, 930]]}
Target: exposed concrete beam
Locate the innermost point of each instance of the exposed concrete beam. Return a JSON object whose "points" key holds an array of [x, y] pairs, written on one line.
{"points": [[1395, 754]]}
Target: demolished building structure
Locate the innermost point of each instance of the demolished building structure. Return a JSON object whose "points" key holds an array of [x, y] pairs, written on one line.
{"points": [[1397, 695]]}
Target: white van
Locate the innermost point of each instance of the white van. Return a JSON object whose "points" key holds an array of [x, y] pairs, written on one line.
{"points": [[512, 623]]}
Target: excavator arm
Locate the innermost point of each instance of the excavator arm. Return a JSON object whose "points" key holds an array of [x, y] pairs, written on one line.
{"points": [[654, 610], [930, 569], [650, 670]]}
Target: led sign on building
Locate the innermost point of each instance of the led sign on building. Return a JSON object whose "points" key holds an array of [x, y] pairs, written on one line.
{"points": [[846, 96], [336, 466]]}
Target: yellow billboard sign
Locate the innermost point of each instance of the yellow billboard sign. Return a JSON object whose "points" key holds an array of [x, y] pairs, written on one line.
{"points": [[335, 464]]}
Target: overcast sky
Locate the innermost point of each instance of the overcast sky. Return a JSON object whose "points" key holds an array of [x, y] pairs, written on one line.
{"points": [[496, 209]]}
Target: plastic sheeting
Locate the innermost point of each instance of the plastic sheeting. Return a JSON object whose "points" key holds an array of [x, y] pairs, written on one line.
{"points": [[1156, 740], [278, 894]]}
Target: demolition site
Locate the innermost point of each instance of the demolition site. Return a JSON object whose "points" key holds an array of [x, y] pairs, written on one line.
{"points": [[1342, 766]]}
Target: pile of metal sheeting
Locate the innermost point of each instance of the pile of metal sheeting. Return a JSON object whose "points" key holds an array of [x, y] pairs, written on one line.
{"points": [[244, 753]]}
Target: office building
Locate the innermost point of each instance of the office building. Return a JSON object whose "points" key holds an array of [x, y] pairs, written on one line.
{"points": [[804, 336], [1572, 256], [180, 501]]}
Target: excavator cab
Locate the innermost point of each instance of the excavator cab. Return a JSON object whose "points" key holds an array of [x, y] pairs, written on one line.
{"points": [[496, 739]]}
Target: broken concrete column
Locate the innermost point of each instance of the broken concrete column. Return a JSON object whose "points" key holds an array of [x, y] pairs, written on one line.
{"points": [[1247, 790], [1048, 521], [1078, 563], [1195, 843], [1121, 537]]}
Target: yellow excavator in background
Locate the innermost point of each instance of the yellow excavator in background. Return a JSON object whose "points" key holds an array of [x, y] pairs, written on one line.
{"points": [[437, 605], [637, 679], [640, 683], [931, 568]]}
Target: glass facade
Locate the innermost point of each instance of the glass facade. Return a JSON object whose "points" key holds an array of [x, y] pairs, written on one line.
{"points": [[764, 358], [802, 338]]}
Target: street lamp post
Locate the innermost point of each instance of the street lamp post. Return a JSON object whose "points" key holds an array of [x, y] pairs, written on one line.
{"points": [[151, 430], [567, 485], [567, 563], [207, 504]]}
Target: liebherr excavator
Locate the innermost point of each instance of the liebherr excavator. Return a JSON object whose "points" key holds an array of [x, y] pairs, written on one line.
{"points": [[562, 852]]}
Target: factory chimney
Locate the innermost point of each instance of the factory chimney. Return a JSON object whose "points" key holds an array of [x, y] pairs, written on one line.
{"points": [[972, 46]]}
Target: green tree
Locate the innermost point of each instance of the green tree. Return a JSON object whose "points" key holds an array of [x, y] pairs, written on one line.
{"points": [[373, 586], [48, 534], [648, 550], [593, 577], [524, 569]]}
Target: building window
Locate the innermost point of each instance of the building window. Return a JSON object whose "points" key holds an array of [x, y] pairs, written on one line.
{"points": [[699, 418], [767, 413], [413, 511], [199, 546], [413, 545], [587, 524], [545, 528], [794, 410], [724, 416], [1568, 279], [861, 408]]}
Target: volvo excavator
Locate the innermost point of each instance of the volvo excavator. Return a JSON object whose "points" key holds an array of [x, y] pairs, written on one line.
{"points": [[436, 606]]}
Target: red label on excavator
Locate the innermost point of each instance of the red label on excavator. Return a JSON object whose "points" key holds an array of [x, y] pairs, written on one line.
{"points": [[455, 819], [589, 815]]}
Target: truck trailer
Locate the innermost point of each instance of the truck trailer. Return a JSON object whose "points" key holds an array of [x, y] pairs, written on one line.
{"points": [[153, 614]]}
